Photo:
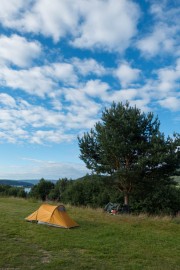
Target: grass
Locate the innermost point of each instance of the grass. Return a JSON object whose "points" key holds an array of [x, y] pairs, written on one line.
{"points": [[102, 241]]}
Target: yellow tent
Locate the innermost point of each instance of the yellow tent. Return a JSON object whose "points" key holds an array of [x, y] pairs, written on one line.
{"points": [[52, 215]]}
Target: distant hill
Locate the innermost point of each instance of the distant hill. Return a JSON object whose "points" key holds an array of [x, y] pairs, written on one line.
{"points": [[24, 183], [35, 182], [16, 183]]}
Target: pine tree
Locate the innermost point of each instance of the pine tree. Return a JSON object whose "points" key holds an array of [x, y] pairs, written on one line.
{"points": [[128, 145]]}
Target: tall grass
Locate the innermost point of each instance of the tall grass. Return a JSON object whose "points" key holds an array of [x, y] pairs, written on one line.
{"points": [[102, 241]]}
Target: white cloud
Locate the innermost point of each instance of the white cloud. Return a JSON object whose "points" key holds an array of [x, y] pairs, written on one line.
{"points": [[163, 36], [82, 111], [95, 88], [31, 80], [39, 125], [88, 66], [10, 11], [7, 100], [38, 117], [168, 78], [167, 85], [160, 9], [62, 71], [50, 136], [38, 81], [107, 24], [79, 118], [56, 104], [71, 103], [142, 104], [162, 89], [161, 40], [33, 123], [121, 95], [18, 51], [126, 74], [171, 103], [52, 18]]}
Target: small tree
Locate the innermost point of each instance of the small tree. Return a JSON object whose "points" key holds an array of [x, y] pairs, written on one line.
{"points": [[42, 189], [127, 145], [59, 188]]}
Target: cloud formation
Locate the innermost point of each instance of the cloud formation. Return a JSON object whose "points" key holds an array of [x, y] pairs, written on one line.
{"points": [[103, 24], [16, 50], [107, 24], [63, 62], [126, 74], [163, 36], [68, 103]]}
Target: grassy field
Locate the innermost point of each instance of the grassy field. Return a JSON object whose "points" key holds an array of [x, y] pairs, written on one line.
{"points": [[102, 241]]}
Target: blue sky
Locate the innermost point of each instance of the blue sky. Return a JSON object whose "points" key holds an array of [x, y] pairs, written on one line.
{"points": [[63, 61]]}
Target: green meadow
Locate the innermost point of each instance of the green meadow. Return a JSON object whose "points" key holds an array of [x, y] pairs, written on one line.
{"points": [[102, 241]]}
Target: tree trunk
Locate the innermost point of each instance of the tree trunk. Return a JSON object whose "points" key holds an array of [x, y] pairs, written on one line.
{"points": [[126, 199]]}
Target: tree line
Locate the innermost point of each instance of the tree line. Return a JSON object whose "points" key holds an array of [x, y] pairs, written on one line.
{"points": [[97, 191], [7, 190]]}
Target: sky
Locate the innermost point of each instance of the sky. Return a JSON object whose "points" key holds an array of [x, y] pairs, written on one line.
{"points": [[63, 61]]}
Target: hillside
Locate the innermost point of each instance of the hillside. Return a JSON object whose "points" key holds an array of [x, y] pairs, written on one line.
{"points": [[21, 183], [15, 183]]}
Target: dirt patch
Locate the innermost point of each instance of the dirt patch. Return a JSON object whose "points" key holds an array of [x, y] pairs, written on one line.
{"points": [[46, 257]]}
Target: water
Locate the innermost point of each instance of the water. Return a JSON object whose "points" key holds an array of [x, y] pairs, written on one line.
{"points": [[28, 189]]}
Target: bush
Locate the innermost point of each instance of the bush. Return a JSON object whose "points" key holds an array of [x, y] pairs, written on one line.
{"points": [[163, 201], [6, 190], [41, 190]]}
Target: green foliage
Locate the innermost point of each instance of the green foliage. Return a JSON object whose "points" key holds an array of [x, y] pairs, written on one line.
{"points": [[21, 193], [164, 201], [59, 189], [91, 190], [128, 145], [96, 191], [42, 189], [6, 190]]}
